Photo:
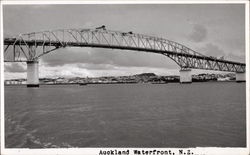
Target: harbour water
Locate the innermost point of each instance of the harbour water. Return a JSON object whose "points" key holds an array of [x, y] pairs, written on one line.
{"points": [[211, 114]]}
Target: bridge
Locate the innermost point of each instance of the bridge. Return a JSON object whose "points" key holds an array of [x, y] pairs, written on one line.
{"points": [[29, 47]]}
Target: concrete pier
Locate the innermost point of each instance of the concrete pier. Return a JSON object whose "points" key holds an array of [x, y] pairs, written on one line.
{"points": [[185, 76], [32, 74], [241, 77]]}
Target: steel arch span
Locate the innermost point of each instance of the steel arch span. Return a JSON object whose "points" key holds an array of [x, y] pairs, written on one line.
{"points": [[31, 46]]}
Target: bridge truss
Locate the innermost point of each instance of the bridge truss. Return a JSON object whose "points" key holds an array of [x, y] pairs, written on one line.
{"points": [[31, 46]]}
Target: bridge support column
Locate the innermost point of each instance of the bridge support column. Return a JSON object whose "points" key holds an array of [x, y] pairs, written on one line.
{"points": [[240, 77], [32, 74], [185, 76]]}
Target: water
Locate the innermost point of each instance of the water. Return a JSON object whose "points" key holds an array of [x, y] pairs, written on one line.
{"points": [[126, 115]]}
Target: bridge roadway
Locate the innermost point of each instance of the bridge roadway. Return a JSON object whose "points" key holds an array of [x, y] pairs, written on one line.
{"points": [[30, 47]]}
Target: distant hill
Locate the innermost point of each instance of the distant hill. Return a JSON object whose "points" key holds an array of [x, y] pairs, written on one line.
{"points": [[146, 74]]}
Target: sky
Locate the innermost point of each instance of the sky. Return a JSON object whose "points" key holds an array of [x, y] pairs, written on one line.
{"points": [[211, 29]]}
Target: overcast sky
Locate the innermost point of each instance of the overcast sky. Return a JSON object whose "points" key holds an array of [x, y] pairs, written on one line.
{"points": [[210, 29]]}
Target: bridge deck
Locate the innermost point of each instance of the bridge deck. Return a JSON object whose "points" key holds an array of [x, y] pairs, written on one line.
{"points": [[25, 47]]}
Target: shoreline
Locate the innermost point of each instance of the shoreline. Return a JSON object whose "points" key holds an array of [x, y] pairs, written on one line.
{"points": [[110, 83]]}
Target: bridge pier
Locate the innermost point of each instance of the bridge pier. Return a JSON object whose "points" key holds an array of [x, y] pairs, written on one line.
{"points": [[32, 74], [185, 76], [240, 77]]}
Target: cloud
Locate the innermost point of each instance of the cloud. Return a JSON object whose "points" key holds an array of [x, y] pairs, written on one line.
{"points": [[11, 75], [67, 70], [212, 50], [102, 57], [15, 67], [215, 51], [199, 33], [235, 57], [96, 66], [79, 70]]}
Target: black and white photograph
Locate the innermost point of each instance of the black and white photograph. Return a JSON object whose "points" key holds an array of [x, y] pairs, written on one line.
{"points": [[120, 75]]}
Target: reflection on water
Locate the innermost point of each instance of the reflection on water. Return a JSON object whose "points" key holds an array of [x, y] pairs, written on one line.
{"points": [[134, 115]]}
